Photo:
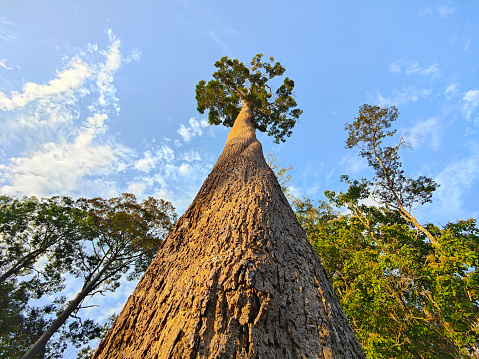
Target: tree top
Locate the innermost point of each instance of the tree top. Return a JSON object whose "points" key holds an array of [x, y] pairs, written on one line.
{"points": [[235, 85]]}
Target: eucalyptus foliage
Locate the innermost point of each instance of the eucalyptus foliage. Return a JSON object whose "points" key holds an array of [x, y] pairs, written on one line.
{"points": [[236, 84]]}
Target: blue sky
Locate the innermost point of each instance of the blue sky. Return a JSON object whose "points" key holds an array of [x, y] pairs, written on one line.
{"points": [[98, 97]]}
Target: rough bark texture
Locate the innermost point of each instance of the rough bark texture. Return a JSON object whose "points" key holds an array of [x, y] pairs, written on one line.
{"points": [[237, 277]]}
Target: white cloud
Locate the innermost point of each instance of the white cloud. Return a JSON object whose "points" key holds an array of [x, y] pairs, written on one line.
{"points": [[451, 91], [175, 181], [194, 129], [63, 167], [405, 96], [184, 169], [149, 160], [191, 156], [445, 10], [58, 153], [167, 153], [352, 163], [471, 106], [66, 81], [104, 76], [424, 12], [145, 164], [3, 63], [456, 181]]}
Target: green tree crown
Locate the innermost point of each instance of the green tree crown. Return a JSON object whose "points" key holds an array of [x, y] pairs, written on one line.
{"points": [[236, 84]]}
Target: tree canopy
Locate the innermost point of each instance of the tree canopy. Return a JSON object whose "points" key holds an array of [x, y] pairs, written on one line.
{"points": [[95, 240], [404, 297], [236, 84]]}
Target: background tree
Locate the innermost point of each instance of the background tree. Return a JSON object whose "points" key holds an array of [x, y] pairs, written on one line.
{"points": [[391, 186], [87, 351], [236, 85], [121, 237], [404, 296], [31, 228], [32, 232], [285, 180]]}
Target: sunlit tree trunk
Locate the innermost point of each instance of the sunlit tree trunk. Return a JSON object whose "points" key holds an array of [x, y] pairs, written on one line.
{"points": [[236, 278]]}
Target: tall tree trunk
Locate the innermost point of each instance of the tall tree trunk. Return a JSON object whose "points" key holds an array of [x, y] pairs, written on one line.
{"points": [[236, 278], [42, 341]]}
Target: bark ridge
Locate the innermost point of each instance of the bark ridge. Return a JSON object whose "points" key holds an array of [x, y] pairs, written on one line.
{"points": [[236, 278]]}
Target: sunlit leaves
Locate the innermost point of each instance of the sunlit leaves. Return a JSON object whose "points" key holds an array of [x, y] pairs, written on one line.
{"points": [[404, 297], [367, 133], [235, 84]]}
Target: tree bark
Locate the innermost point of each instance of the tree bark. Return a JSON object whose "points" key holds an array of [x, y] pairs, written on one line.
{"points": [[42, 341], [236, 278]]}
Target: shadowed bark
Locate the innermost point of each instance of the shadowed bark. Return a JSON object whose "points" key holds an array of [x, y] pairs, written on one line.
{"points": [[236, 278]]}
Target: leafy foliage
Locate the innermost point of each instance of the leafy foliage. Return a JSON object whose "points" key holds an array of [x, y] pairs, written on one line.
{"points": [[123, 233], [404, 297], [87, 352], [96, 240], [32, 229], [235, 84]]}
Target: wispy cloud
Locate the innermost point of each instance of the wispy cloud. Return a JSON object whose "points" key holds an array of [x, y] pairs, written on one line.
{"points": [[442, 10], [150, 159], [445, 10], [6, 33], [106, 70], [451, 91], [62, 143], [471, 106], [66, 81], [352, 164], [401, 97], [413, 68], [425, 131], [456, 181], [194, 129], [224, 49], [3, 63]]}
